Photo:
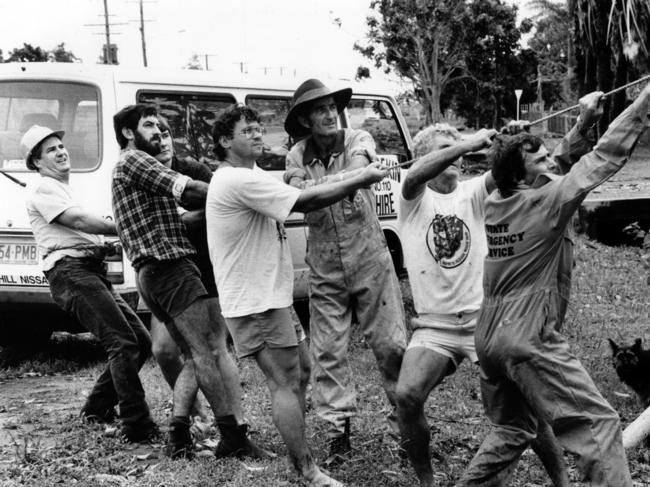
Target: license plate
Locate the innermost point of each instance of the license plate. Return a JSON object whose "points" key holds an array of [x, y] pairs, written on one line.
{"points": [[18, 253]]}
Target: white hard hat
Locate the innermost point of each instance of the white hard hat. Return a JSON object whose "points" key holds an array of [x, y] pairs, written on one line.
{"points": [[34, 136]]}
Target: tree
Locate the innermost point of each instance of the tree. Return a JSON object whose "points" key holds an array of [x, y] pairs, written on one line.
{"points": [[60, 55], [612, 41], [28, 53], [419, 40], [552, 43], [448, 46], [194, 63], [496, 66], [33, 54], [362, 72]]}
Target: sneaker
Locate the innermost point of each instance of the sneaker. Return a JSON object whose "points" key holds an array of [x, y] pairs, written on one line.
{"points": [[179, 444], [140, 432], [98, 416]]}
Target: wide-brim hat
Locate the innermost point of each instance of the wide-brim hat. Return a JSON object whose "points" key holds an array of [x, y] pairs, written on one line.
{"points": [[311, 90], [32, 138]]}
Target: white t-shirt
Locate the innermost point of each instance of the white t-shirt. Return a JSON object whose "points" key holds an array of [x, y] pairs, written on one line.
{"points": [[444, 244], [249, 250], [51, 198]]}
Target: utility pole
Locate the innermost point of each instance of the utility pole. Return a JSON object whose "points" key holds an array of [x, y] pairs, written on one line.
{"points": [[109, 51], [207, 56], [144, 45], [108, 57], [141, 21]]}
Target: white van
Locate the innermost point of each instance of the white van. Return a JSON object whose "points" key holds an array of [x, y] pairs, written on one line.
{"points": [[81, 99]]}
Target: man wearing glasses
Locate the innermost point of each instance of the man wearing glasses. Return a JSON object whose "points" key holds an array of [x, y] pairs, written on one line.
{"points": [[245, 211], [351, 270], [145, 199]]}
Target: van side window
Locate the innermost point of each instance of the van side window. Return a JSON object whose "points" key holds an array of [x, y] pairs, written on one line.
{"points": [[378, 118], [273, 111], [190, 117], [72, 107]]}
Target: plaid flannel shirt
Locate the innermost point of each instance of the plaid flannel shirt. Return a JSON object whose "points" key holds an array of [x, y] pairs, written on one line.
{"points": [[145, 195]]}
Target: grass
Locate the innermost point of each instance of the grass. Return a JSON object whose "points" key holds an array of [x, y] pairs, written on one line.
{"points": [[51, 447]]}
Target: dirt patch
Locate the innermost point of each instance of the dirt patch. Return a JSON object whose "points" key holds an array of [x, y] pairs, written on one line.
{"points": [[28, 402]]}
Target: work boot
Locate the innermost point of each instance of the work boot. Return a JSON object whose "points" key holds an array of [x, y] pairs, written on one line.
{"points": [[179, 444], [140, 432], [97, 416], [340, 447], [234, 441]]}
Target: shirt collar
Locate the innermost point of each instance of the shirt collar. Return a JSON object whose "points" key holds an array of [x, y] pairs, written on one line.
{"points": [[310, 155], [544, 178]]}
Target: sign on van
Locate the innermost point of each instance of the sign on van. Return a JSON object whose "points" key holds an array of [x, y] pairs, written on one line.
{"points": [[387, 190]]}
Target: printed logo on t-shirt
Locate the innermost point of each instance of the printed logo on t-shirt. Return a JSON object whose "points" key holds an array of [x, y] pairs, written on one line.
{"points": [[448, 240]]}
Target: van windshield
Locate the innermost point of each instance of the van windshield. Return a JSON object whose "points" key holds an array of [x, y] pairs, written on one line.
{"points": [[72, 107]]}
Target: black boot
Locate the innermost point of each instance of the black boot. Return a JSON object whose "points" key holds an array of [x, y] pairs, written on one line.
{"points": [[340, 447], [101, 416], [179, 444], [234, 441]]}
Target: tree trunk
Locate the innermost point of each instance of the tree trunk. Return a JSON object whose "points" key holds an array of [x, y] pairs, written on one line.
{"points": [[619, 99], [436, 113], [605, 79]]}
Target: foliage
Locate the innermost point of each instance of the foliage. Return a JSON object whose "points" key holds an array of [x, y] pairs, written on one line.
{"points": [[29, 53], [60, 55], [609, 299], [496, 65], [419, 40], [612, 40], [552, 43], [194, 63], [449, 47], [362, 72]]}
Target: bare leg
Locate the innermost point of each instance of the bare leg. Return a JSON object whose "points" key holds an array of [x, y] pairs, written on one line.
{"points": [[281, 366], [168, 355], [203, 332], [305, 373], [422, 370]]}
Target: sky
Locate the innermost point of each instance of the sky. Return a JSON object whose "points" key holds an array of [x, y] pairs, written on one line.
{"points": [[289, 38]]}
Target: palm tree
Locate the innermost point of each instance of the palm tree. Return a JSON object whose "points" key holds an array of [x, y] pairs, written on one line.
{"points": [[611, 46]]}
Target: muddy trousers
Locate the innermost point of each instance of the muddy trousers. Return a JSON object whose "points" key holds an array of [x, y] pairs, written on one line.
{"points": [[373, 293], [554, 386], [79, 286]]}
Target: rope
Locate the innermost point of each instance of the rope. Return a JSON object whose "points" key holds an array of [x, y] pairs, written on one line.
{"points": [[11, 178], [615, 90]]}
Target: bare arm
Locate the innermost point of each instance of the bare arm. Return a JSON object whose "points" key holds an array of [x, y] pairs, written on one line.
{"points": [[194, 194], [322, 195], [78, 219], [435, 162], [193, 218]]}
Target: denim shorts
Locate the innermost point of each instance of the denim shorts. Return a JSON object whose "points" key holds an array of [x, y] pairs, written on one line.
{"points": [[273, 328], [169, 287], [202, 261]]}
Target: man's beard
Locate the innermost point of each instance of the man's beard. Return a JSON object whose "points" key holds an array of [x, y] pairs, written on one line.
{"points": [[147, 146]]}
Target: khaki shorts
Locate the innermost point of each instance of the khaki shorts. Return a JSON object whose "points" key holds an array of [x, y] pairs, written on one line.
{"points": [[273, 328], [455, 344]]}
